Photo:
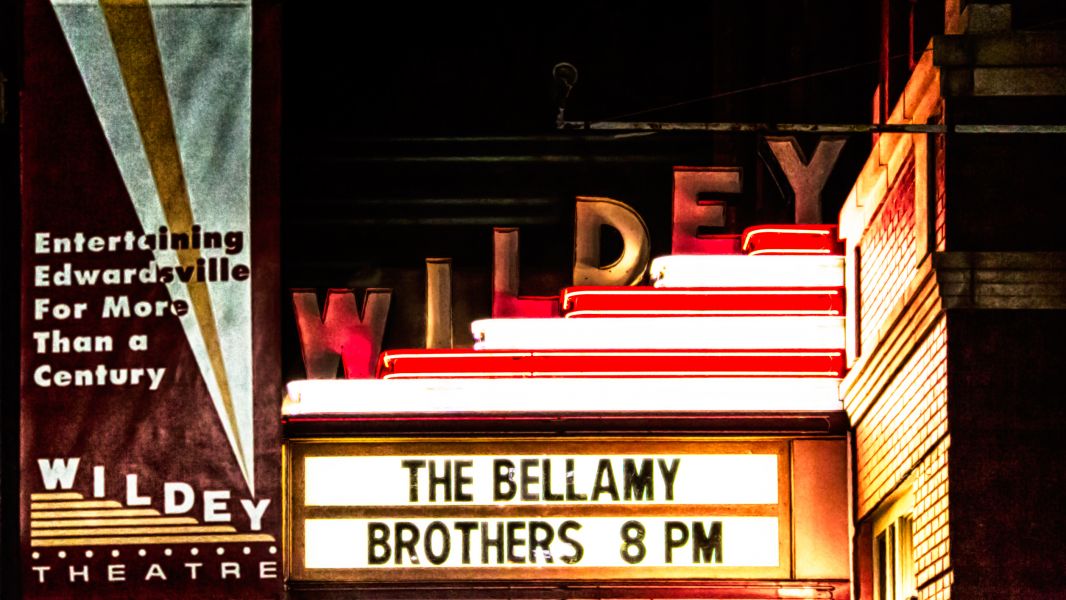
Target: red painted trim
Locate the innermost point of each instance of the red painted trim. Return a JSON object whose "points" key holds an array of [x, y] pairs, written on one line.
{"points": [[792, 239], [421, 364]]}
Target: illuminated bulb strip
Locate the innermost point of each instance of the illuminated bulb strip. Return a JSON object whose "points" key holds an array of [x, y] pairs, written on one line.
{"points": [[734, 332], [737, 271], [649, 301], [323, 397], [610, 363]]}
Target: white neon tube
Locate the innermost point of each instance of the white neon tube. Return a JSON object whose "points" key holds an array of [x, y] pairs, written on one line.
{"points": [[736, 333], [308, 398], [737, 270]]}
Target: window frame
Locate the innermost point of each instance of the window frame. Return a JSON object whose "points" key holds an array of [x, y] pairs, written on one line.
{"points": [[892, 549]]}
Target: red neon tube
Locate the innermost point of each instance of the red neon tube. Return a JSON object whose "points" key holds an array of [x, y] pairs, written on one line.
{"points": [[791, 239], [411, 364], [646, 301]]}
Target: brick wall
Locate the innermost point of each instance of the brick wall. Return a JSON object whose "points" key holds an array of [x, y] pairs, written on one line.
{"points": [[902, 437], [888, 259], [932, 561], [1007, 465], [896, 393], [906, 424], [940, 589]]}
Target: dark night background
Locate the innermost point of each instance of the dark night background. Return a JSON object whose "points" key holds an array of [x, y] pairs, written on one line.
{"points": [[411, 132]]}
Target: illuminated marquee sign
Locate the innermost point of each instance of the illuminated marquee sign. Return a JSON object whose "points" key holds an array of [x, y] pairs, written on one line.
{"points": [[397, 510]]}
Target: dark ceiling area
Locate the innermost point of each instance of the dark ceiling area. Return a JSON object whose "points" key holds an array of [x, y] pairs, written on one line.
{"points": [[459, 69], [411, 130]]}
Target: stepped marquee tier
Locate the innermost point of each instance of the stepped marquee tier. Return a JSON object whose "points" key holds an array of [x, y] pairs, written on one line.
{"points": [[762, 331]]}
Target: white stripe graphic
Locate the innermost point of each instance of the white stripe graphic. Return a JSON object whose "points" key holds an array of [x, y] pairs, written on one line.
{"points": [[206, 54]]}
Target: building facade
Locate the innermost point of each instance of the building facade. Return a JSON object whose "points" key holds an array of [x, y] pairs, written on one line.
{"points": [[957, 286]]}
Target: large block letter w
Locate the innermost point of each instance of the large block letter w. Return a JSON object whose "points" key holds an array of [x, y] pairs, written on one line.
{"points": [[341, 332]]}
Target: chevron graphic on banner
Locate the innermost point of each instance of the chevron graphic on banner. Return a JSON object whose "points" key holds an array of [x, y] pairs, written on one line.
{"points": [[178, 121]]}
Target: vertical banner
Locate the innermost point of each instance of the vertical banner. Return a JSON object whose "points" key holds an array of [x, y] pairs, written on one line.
{"points": [[150, 376]]}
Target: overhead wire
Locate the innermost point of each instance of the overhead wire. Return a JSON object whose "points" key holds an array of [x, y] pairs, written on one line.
{"points": [[760, 86]]}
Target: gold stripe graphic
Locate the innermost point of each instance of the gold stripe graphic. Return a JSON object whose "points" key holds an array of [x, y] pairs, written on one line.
{"points": [[88, 514], [113, 531], [133, 36], [113, 522], [57, 496], [153, 540], [74, 504]]}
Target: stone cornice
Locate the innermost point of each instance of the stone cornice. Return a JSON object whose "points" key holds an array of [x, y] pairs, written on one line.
{"points": [[1001, 280], [947, 281]]}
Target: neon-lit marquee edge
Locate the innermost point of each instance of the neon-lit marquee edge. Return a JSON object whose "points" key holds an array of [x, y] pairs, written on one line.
{"points": [[319, 397]]}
